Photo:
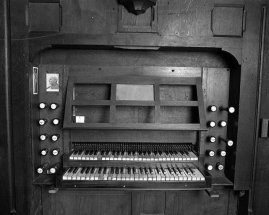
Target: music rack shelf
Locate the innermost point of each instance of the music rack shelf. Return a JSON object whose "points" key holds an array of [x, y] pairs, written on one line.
{"points": [[103, 110]]}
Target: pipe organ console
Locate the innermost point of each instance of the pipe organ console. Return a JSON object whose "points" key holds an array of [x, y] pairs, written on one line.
{"points": [[142, 107], [126, 127]]}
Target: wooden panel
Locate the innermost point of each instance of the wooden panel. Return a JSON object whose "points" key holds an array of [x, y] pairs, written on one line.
{"points": [[82, 202], [227, 21], [149, 202], [92, 92], [196, 202], [261, 189], [49, 97], [157, 63], [216, 91], [93, 114], [177, 93], [176, 115], [140, 136], [44, 17], [129, 22], [7, 194], [184, 18], [127, 114], [247, 102], [90, 16], [21, 113]]}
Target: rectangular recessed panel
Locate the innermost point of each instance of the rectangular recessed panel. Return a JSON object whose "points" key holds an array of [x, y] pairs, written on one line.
{"points": [[92, 92], [227, 21], [178, 93], [179, 115], [44, 17], [92, 114], [134, 92], [137, 114]]}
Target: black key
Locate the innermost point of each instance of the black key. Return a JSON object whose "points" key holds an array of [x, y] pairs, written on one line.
{"points": [[83, 170], [117, 170], [75, 170], [92, 170], [71, 169], [87, 170], [112, 170]]}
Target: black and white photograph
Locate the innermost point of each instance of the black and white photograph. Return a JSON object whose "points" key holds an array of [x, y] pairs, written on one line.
{"points": [[52, 82], [134, 107]]}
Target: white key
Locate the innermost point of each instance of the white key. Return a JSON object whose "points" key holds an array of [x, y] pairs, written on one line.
{"points": [[74, 176], [66, 174]]}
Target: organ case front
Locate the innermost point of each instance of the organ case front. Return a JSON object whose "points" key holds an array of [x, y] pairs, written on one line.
{"points": [[138, 128]]}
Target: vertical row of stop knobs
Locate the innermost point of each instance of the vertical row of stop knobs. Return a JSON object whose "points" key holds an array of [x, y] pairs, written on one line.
{"points": [[213, 139], [45, 136]]}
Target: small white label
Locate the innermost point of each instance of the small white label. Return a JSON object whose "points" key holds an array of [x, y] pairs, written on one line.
{"points": [[80, 119]]}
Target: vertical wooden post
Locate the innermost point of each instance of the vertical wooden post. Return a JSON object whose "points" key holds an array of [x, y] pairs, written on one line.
{"points": [[8, 119]]}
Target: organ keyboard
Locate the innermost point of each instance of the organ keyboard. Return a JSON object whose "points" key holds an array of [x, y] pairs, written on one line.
{"points": [[133, 152], [173, 172], [156, 176], [133, 156], [115, 164]]}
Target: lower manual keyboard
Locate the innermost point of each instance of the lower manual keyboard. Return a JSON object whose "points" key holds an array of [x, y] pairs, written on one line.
{"points": [[158, 173]]}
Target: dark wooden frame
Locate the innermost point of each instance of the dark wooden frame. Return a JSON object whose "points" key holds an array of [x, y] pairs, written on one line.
{"points": [[156, 81]]}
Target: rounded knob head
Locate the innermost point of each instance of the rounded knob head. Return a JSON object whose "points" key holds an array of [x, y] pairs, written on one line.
{"points": [[54, 138], [39, 170], [43, 152], [55, 152], [223, 123], [220, 167], [212, 124], [52, 170], [222, 153], [42, 137], [213, 108], [209, 167], [42, 122], [42, 105], [231, 109], [53, 106], [230, 143], [211, 153], [55, 121], [212, 139]]}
